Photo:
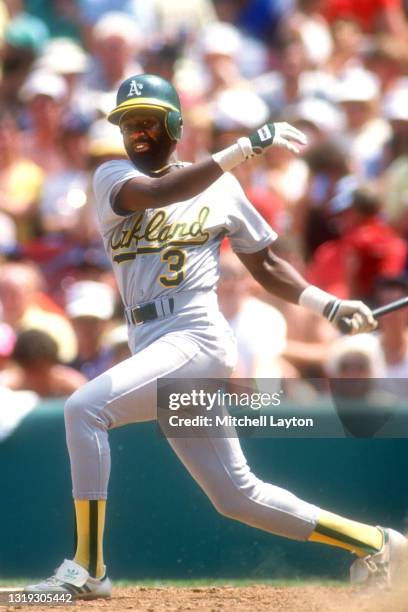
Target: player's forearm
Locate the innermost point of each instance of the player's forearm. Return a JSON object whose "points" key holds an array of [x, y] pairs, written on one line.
{"points": [[147, 192], [280, 278], [187, 182], [176, 186], [276, 276]]}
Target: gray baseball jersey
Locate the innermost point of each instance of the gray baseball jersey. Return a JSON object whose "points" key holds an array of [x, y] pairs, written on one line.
{"points": [[175, 248]]}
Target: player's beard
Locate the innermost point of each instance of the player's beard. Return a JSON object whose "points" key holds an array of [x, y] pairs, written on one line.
{"points": [[155, 157]]}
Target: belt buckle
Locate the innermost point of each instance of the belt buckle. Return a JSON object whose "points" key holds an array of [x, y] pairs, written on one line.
{"points": [[134, 313], [148, 312]]}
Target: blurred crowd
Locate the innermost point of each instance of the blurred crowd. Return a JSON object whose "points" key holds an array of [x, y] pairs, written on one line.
{"points": [[337, 69]]}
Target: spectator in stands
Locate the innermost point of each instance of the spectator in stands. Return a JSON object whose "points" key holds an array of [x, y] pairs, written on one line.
{"points": [[7, 342], [365, 406], [220, 44], [24, 37], [9, 245], [366, 132], [348, 45], [395, 177], [354, 358], [372, 15], [91, 11], [286, 177], [38, 368], [104, 142], [4, 18], [44, 94], [393, 327], [327, 163], [25, 305], [197, 132], [236, 113], [259, 328], [117, 341], [302, 82], [293, 80], [116, 41], [61, 17], [367, 247], [181, 19], [90, 307], [64, 193], [68, 59], [309, 23], [20, 179], [80, 255], [260, 18], [308, 335], [161, 58], [387, 58], [319, 119]]}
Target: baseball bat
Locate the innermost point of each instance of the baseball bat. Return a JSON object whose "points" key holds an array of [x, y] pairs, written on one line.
{"points": [[345, 322]]}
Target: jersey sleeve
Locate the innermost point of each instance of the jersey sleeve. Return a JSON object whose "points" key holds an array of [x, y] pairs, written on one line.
{"points": [[107, 181], [247, 230]]}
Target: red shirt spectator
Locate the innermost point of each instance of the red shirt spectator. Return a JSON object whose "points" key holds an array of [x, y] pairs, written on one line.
{"points": [[368, 13], [373, 249], [367, 249], [327, 269]]}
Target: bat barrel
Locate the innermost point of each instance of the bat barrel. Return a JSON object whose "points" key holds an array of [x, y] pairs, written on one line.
{"points": [[382, 310]]}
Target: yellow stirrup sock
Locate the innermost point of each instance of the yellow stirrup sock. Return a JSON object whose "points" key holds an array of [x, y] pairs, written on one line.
{"points": [[90, 524], [359, 538]]}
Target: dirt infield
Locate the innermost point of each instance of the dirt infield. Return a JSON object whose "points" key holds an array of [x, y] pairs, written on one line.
{"points": [[231, 599]]}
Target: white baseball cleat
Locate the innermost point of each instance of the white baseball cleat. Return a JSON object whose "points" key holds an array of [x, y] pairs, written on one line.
{"points": [[381, 568], [71, 578]]}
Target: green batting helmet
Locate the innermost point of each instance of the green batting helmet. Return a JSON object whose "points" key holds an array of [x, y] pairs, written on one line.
{"points": [[149, 92]]}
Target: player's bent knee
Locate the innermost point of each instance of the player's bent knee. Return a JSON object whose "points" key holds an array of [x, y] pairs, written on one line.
{"points": [[77, 408], [85, 409], [73, 409]]}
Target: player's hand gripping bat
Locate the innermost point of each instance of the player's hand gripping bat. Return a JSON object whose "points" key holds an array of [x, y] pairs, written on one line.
{"points": [[346, 324]]}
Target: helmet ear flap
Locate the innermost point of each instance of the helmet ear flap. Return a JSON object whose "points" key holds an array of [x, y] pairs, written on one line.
{"points": [[174, 125]]}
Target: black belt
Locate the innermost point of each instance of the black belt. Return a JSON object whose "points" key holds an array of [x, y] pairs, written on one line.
{"points": [[148, 312]]}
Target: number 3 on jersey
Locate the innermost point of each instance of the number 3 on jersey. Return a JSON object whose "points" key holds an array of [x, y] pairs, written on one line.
{"points": [[175, 260]]}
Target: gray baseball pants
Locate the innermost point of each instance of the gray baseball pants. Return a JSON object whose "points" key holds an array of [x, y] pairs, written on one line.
{"points": [[127, 394]]}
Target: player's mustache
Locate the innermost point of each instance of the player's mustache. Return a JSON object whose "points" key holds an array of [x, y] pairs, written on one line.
{"points": [[143, 139]]}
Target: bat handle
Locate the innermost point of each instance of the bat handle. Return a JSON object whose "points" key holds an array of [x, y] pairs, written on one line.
{"points": [[345, 325]]}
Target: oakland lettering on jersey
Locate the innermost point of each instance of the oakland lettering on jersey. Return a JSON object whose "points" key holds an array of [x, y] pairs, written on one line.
{"points": [[160, 233]]}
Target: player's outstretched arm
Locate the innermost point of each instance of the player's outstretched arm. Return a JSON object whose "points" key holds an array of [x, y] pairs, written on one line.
{"points": [[154, 192], [280, 278]]}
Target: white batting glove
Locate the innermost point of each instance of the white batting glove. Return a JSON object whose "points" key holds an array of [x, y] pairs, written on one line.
{"points": [[278, 135], [350, 316]]}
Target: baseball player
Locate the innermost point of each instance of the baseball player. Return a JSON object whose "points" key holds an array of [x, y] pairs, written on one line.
{"points": [[162, 222]]}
